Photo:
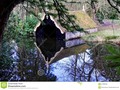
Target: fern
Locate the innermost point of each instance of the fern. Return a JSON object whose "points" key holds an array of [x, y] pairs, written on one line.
{"points": [[113, 57]]}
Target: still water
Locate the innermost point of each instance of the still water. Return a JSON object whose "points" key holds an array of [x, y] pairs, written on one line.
{"points": [[54, 61]]}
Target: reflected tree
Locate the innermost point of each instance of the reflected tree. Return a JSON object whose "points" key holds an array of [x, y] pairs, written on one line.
{"points": [[89, 67], [99, 52]]}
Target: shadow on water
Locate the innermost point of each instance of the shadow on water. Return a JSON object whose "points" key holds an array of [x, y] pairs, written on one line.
{"points": [[73, 62]]}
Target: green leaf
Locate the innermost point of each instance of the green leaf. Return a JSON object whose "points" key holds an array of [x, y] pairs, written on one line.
{"points": [[115, 58], [111, 49], [118, 70]]}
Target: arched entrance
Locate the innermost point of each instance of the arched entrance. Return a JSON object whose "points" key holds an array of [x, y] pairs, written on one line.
{"points": [[49, 37]]}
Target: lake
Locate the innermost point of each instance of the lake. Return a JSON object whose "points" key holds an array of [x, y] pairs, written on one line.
{"points": [[54, 61]]}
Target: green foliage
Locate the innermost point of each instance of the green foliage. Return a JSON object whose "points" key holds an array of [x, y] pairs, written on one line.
{"points": [[112, 14], [18, 30], [100, 16], [5, 59], [55, 8], [109, 13], [18, 27], [96, 1], [29, 24], [118, 69], [113, 57], [111, 37]]}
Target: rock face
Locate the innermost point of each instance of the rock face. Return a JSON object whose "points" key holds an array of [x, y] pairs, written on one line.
{"points": [[6, 6]]}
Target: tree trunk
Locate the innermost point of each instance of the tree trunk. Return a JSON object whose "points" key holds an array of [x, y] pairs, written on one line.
{"points": [[114, 5], [6, 6]]}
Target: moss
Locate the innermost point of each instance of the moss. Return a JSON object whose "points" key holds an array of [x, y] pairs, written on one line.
{"points": [[83, 19]]}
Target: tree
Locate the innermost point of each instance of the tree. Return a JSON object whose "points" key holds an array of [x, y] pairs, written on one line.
{"points": [[94, 9], [6, 7], [56, 8], [115, 4]]}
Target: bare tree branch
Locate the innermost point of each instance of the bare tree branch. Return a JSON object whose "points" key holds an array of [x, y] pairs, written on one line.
{"points": [[114, 4]]}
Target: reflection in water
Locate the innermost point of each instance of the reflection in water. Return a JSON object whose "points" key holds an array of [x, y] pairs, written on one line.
{"points": [[70, 64], [53, 50], [77, 68]]}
